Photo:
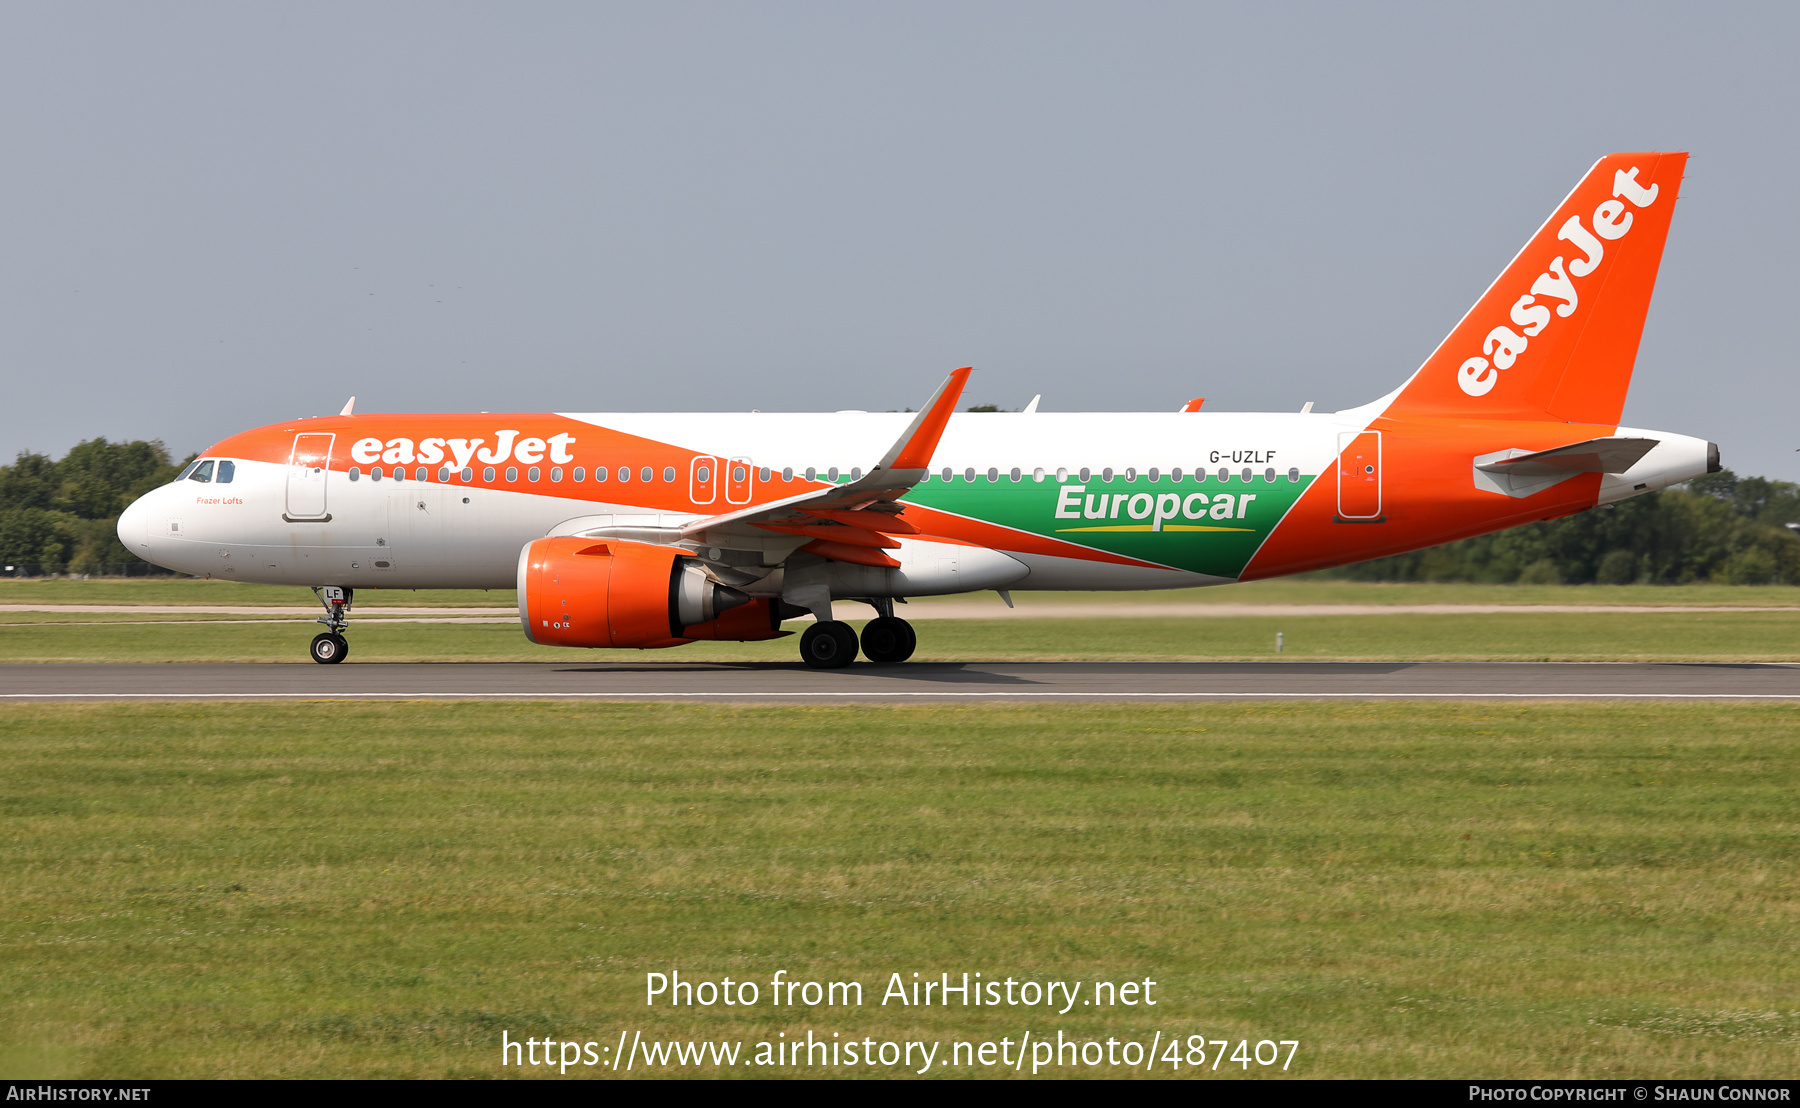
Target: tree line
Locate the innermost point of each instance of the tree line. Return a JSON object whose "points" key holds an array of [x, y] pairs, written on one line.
{"points": [[62, 515], [1720, 528]]}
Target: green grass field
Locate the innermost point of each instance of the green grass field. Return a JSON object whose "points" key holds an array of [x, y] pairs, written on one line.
{"points": [[1515, 636], [1408, 890]]}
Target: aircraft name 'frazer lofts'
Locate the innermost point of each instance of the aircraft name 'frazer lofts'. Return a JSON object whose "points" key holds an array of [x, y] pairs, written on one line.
{"points": [[644, 530]]}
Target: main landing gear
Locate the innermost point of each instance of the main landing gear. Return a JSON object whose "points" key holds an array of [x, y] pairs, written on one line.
{"points": [[886, 640], [330, 647]]}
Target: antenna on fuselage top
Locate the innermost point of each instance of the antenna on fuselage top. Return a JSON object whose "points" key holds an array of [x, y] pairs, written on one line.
{"points": [[348, 404]]}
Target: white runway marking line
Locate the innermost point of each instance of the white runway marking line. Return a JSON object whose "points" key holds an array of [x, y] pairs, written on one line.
{"points": [[897, 695]]}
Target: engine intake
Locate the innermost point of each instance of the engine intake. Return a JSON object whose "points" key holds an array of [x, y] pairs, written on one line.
{"points": [[580, 592]]}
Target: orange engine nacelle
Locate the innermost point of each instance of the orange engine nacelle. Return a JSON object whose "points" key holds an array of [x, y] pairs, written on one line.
{"points": [[580, 592]]}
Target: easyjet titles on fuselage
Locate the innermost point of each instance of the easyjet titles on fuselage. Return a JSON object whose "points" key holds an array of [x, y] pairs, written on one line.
{"points": [[529, 450]]}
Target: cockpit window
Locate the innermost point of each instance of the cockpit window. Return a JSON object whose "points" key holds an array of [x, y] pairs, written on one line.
{"points": [[191, 466], [202, 472], [227, 470]]}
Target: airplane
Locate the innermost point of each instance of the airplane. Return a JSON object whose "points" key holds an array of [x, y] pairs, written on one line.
{"points": [[631, 530]]}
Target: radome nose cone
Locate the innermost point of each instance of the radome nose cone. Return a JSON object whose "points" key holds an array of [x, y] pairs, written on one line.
{"points": [[134, 526]]}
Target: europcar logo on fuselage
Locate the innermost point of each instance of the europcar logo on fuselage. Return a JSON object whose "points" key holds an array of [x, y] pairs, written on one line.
{"points": [[1075, 502], [1212, 526]]}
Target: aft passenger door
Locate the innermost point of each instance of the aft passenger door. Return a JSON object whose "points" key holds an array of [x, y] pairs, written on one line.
{"points": [[1359, 475], [308, 468]]}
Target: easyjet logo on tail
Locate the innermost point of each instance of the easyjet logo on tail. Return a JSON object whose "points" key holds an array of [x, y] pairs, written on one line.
{"points": [[1503, 345]]}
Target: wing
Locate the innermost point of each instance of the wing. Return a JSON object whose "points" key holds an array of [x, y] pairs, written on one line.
{"points": [[851, 522]]}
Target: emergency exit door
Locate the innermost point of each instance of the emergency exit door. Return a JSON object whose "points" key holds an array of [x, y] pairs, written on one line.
{"points": [[308, 467], [1359, 475], [737, 481], [703, 480]]}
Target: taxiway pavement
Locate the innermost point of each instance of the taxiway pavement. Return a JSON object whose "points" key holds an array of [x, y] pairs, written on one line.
{"points": [[914, 682]]}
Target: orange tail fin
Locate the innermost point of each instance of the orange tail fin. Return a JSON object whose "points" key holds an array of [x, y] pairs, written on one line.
{"points": [[1557, 334]]}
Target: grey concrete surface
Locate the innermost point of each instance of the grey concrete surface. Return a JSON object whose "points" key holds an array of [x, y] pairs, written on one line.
{"points": [[910, 683]]}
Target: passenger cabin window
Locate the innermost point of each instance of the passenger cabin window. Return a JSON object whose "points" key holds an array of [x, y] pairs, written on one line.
{"points": [[226, 471], [487, 474], [355, 473], [202, 472], [668, 474], [580, 473], [512, 474], [648, 475], [624, 473]]}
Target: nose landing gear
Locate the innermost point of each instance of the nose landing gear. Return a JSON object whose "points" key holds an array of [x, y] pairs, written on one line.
{"points": [[330, 647]]}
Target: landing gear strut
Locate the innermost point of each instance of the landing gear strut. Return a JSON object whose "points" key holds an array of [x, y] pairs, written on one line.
{"points": [[331, 647]]}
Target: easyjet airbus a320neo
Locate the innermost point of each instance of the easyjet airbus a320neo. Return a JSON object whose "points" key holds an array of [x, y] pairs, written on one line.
{"points": [[636, 530]]}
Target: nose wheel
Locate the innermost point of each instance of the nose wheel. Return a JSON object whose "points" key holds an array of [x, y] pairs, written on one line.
{"points": [[330, 648]]}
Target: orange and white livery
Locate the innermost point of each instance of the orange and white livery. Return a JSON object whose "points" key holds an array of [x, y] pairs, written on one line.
{"points": [[652, 530]]}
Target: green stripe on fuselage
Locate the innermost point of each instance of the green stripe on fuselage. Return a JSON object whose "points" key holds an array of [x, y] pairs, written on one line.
{"points": [[1215, 535]]}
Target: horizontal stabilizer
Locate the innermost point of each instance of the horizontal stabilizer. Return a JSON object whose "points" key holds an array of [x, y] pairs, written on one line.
{"points": [[1592, 456]]}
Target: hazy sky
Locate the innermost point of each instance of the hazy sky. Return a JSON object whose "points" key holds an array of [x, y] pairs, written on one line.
{"points": [[217, 216]]}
